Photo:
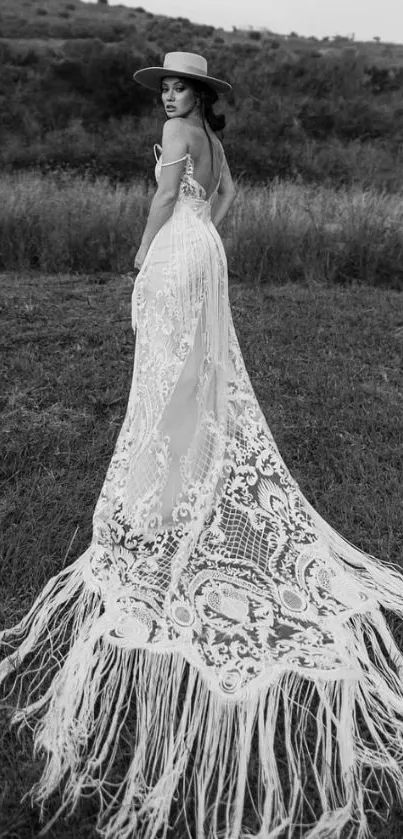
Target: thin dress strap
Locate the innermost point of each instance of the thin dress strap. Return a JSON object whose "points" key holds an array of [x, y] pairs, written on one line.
{"points": [[221, 167], [157, 154], [219, 177], [179, 160]]}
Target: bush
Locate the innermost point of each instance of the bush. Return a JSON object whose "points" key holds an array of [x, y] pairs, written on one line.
{"points": [[121, 150], [286, 99], [29, 59], [106, 79]]}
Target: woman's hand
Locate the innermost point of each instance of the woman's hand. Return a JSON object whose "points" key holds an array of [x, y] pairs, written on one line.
{"points": [[140, 257]]}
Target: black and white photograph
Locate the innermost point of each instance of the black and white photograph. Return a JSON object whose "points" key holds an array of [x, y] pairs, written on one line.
{"points": [[201, 403]]}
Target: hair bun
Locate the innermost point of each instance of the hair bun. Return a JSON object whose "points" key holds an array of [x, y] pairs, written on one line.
{"points": [[208, 98]]}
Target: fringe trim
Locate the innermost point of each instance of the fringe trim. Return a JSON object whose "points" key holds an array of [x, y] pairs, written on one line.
{"points": [[384, 580], [192, 751]]}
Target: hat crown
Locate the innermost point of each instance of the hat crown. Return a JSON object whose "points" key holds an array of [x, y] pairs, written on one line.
{"points": [[185, 62]]}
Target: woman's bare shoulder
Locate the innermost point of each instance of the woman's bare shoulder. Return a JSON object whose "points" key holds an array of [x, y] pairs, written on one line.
{"points": [[179, 129], [174, 127]]}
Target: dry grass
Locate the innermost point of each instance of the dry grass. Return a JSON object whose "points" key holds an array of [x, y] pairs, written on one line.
{"points": [[68, 223], [296, 232], [286, 231], [326, 366]]}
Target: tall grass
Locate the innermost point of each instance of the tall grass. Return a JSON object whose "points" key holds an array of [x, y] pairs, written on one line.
{"points": [[61, 222], [290, 231], [276, 233]]}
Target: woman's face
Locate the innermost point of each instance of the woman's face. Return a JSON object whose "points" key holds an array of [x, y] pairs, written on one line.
{"points": [[178, 97]]}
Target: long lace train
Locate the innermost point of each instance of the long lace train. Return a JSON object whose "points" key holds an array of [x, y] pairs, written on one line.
{"points": [[214, 607]]}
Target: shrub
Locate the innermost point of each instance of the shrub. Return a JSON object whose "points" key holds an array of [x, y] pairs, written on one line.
{"points": [[29, 58]]}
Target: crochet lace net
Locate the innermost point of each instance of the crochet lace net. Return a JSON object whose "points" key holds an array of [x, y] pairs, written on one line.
{"points": [[213, 598]]}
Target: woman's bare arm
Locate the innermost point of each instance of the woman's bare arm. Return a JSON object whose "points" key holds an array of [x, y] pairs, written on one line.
{"points": [[174, 147], [225, 196]]}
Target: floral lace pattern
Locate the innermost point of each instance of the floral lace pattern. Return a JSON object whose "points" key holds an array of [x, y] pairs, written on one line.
{"points": [[189, 187], [203, 541]]}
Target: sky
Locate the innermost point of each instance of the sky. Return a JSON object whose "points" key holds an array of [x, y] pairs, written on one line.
{"points": [[363, 18]]}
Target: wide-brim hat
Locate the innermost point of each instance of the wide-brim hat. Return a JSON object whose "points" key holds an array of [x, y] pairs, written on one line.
{"points": [[190, 65]]}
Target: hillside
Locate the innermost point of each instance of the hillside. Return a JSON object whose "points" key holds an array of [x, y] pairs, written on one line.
{"points": [[326, 110], [48, 23]]}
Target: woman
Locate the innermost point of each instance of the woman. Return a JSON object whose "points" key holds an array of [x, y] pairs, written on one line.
{"points": [[214, 605]]}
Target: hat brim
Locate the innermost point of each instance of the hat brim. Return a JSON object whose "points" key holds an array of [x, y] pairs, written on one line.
{"points": [[150, 77]]}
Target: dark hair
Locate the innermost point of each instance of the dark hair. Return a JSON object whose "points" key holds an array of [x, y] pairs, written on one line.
{"points": [[208, 98]]}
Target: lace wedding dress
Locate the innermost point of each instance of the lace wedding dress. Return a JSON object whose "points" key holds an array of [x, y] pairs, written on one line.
{"points": [[214, 608]]}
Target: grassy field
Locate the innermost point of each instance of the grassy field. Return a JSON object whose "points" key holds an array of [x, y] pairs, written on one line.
{"points": [[325, 363], [283, 231]]}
